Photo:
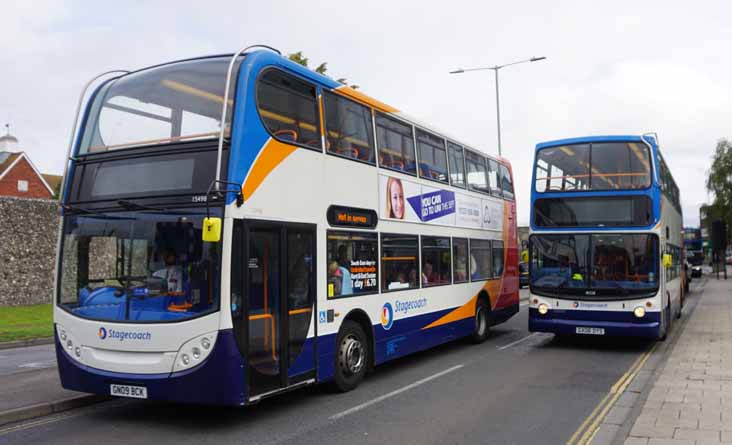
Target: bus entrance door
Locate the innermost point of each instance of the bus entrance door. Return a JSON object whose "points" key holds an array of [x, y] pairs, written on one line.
{"points": [[280, 306]]}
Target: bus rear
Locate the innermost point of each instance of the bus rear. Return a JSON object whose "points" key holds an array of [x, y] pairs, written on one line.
{"points": [[605, 253]]}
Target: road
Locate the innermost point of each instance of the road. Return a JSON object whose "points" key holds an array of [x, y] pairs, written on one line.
{"points": [[516, 388]]}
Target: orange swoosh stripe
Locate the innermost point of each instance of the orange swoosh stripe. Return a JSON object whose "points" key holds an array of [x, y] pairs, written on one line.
{"points": [[465, 311], [368, 100], [273, 153]]}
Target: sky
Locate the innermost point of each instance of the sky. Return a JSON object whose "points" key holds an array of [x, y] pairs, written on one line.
{"points": [[612, 67]]}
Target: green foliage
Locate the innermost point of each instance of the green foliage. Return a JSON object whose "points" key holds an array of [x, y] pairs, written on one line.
{"points": [[24, 322], [300, 58], [322, 68], [719, 181]]}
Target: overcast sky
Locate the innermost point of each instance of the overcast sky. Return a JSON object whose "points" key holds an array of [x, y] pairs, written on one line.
{"points": [[611, 68]]}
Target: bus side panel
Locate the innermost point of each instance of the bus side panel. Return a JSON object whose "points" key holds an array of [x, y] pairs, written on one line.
{"points": [[508, 296]]}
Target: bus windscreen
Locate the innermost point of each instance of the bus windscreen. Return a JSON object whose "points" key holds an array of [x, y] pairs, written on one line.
{"points": [[598, 166], [594, 266]]}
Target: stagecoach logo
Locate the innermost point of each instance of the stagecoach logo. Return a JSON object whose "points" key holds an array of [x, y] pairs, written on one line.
{"points": [[387, 316], [575, 305], [122, 335]]}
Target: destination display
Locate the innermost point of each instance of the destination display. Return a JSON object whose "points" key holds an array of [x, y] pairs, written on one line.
{"points": [[340, 216]]}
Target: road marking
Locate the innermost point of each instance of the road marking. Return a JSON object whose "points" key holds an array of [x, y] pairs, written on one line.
{"points": [[501, 348], [38, 365], [587, 430], [525, 303], [38, 422], [393, 393]]}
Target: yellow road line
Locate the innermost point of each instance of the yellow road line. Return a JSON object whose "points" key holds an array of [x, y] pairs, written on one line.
{"points": [[600, 411], [590, 432]]}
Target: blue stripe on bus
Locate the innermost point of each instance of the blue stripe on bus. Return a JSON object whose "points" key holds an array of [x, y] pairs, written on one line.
{"points": [[615, 323], [219, 380]]}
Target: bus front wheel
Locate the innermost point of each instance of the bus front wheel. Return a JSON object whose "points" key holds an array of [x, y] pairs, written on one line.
{"points": [[352, 356]]}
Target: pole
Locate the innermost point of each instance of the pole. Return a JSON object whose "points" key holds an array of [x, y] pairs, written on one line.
{"points": [[498, 113]]}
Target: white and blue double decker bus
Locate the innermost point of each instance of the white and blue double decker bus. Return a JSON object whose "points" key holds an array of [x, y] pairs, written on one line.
{"points": [[606, 238], [237, 226]]}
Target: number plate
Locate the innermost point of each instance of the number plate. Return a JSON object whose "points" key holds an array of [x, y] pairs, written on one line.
{"points": [[590, 331], [136, 392]]}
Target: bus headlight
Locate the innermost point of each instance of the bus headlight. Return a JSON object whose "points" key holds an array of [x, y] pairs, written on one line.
{"points": [[68, 341], [543, 309], [191, 353], [639, 312]]}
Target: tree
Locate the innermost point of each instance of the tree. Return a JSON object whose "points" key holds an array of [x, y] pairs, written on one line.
{"points": [[300, 58], [719, 181]]}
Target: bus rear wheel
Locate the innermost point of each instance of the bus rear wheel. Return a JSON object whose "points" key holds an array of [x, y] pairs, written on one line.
{"points": [[480, 332], [352, 356]]}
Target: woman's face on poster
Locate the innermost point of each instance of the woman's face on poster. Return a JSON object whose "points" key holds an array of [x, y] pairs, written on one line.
{"points": [[396, 195]]}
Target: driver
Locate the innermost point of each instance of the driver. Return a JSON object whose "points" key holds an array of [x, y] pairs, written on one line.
{"points": [[172, 272]]}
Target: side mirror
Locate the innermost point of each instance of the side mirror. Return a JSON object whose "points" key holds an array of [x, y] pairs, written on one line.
{"points": [[667, 260], [211, 229]]}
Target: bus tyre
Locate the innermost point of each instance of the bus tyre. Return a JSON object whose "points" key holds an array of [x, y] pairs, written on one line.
{"points": [[352, 356], [665, 321], [480, 332]]}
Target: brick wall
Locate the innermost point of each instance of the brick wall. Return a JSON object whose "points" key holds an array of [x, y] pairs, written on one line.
{"points": [[23, 171], [28, 234]]}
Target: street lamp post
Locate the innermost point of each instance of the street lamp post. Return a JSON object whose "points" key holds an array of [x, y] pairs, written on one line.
{"points": [[498, 105]]}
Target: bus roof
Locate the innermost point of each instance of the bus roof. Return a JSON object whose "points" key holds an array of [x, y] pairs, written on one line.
{"points": [[590, 139]]}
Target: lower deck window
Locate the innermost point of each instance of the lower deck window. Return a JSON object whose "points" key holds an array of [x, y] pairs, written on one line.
{"points": [[351, 259], [399, 262], [480, 259], [460, 260], [435, 261], [497, 258]]}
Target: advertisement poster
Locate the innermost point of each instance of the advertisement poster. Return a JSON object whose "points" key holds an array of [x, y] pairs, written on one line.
{"points": [[468, 211], [408, 201], [393, 199], [492, 214], [363, 275], [435, 205]]}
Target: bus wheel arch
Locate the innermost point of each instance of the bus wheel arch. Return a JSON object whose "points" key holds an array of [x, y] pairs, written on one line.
{"points": [[355, 339]]}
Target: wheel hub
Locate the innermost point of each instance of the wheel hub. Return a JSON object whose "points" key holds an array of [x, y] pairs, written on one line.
{"points": [[352, 355]]}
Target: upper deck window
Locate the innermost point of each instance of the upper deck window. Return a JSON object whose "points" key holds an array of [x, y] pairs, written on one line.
{"points": [[599, 166], [175, 102], [477, 174], [457, 165], [396, 144], [506, 182], [288, 108], [432, 157], [348, 128]]}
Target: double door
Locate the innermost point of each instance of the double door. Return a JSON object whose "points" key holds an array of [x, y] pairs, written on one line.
{"points": [[278, 305]]}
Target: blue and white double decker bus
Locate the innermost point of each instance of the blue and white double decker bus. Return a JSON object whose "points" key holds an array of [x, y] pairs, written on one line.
{"points": [[606, 238], [237, 226]]}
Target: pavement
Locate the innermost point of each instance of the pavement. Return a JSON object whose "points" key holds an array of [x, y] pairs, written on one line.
{"points": [[689, 401]]}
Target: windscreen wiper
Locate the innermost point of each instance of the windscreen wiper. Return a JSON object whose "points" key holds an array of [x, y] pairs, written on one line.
{"points": [[77, 209], [129, 205]]}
